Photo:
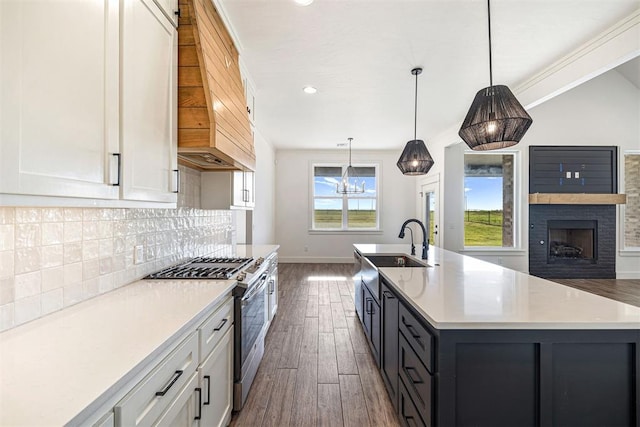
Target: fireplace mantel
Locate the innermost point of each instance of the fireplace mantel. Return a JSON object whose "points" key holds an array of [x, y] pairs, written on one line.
{"points": [[576, 199]]}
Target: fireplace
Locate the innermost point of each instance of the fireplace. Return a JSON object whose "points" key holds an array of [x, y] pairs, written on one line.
{"points": [[571, 240]]}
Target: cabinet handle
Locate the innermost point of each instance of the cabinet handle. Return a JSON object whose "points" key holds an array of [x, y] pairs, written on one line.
{"points": [[177, 13], [208, 380], [170, 384], [199, 416], [388, 294], [222, 323], [411, 329], [177, 190], [410, 421], [272, 286], [118, 159], [409, 370]]}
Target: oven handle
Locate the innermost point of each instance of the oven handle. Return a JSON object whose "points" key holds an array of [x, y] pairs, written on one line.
{"points": [[256, 289]]}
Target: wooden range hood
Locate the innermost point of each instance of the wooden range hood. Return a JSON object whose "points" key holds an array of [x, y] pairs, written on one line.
{"points": [[213, 125]]}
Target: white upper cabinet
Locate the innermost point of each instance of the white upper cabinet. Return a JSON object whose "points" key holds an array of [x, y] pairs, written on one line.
{"points": [[170, 9], [149, 106], [58, 97], [88, 100]]}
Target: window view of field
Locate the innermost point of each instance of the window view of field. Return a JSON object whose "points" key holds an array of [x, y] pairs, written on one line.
{"points": [[330, 218], [483, 228]]}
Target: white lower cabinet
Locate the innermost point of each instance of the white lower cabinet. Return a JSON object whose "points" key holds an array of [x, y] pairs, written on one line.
{"points": [[216, 382], [185, 410]]}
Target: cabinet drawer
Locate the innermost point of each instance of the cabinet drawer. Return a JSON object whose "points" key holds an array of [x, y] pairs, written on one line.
{"points": [[416, 378], [408, 412], [418, 336], [185, 409], [151, 397], [214, 328]]}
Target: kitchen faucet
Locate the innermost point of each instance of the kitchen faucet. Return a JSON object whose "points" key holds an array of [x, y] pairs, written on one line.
{"points": [[425, 240]]}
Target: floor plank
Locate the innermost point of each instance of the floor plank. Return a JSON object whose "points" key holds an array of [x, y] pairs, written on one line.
{"points": [[334, 292], [257, 402], [281, 400], [305, 410], [310, 336], [329, 406], [352, 397], [622, 290], [337, 314], [375, 393], [344, 353], [291, 348], [356, 334], [312, 306], [327, 361], [325, 318]]}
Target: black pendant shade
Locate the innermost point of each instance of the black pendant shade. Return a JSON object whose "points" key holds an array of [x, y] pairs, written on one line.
{"points": [[495, 120], [415, 158]]}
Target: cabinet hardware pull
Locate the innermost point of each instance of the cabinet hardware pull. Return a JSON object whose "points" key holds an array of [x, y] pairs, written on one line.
{"points": [[222, 323], [118, 158], [166, 388], [177, 190], [411, 329], [177, 13], [272, 286], [409, 370], [388, 294], [199, 416], [208, 379], [410, 420]]}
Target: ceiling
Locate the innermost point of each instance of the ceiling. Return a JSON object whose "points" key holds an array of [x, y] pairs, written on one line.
{"points": [[359, 54]]}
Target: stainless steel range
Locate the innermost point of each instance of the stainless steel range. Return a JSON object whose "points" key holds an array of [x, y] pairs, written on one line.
{"points": [[250, 309]]}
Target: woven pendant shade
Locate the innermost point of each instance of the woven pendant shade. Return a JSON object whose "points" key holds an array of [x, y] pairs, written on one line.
{"points": [[495, 120], [415, 158]]}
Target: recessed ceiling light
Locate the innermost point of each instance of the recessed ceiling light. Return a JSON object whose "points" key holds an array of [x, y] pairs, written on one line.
{"points": [[304, 2], [309, 89]]}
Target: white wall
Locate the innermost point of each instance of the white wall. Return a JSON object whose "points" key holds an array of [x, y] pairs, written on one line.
{"points": [[602, 111], [293, 220], [264, 212]]}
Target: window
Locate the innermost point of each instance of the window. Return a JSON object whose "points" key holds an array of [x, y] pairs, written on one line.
{"points": [[489, 191], [333, 211]]}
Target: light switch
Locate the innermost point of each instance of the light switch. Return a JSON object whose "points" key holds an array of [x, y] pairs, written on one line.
{"points": [[576, 175], [568, 175]]}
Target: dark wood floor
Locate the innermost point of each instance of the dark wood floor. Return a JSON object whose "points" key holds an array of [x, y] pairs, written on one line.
{"points": [[317, 369], [627, 290]]}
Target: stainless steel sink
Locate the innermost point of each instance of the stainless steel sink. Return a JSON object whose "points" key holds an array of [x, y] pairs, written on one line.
{"points": [[393, 260]]}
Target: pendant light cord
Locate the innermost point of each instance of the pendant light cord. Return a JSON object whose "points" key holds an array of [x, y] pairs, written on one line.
{"points": [[489, 21], [350, 139], [415, 111]]}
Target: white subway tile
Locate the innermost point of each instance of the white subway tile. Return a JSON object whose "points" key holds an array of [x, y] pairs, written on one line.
{"points": [[52, 233], [90, 250], [105, 283], [90, 287], [7, 215], [118, 245], [28, 215], [28, 284], [90, 214], [72, 231], [52, 278], [73, 214], [7, 316], [7, 290], [27, 309], [90, 269], [52, 214], [72, 252], [7, 237], [52, 256], [72, 294], [106, 248], [106, 266], [72, 274], [52, 301], [105, 229], [27, 260], [6, 264], [89, 230], [28, 235]]}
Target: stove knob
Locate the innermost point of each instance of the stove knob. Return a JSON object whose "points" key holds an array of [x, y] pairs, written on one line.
{"points": [[241, 276], [259, 261]]}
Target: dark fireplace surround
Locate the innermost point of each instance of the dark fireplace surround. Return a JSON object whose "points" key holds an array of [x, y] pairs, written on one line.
{"points": [[575, 241]]}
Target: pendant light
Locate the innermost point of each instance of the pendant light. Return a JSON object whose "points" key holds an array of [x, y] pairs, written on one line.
{"points": [[349, 184], [496, 119], [415, 158]]}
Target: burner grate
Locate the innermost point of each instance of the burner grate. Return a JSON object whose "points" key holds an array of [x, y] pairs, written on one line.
{"points": [[203, 268]]}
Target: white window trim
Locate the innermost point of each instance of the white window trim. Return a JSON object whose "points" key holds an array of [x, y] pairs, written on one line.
{"points": [[517, 203], [345, 203]]}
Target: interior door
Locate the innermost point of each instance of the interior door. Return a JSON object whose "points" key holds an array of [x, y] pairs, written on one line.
{"points": [[430, 213]]}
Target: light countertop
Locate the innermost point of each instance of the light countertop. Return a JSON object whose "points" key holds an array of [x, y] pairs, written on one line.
{"points": [[59, 368], [461, 292]]}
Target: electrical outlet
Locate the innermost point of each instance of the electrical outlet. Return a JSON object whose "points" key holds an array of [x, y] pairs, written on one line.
{"points": [[138, 254]]}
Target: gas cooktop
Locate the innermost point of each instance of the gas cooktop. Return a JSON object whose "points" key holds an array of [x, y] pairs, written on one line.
{"points": [[203, 268]]}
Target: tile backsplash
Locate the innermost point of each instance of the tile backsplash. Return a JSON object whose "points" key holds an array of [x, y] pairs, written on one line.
{"points": [[51, 258]]}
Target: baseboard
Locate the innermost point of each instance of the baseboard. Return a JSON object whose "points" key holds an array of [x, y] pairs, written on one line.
{"points": [[315, 260], [627, 274]]}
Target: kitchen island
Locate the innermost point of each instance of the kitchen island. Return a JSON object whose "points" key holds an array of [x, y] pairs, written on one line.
{"points": [[466, 342], [73, 366]]}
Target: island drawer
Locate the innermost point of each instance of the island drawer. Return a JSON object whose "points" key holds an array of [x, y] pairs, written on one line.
{"points": [[415, 377], [417, 335], [214, 328], [408, 412]]}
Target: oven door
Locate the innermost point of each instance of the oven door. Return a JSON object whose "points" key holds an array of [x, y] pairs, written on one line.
{"points": [[253, 317]]}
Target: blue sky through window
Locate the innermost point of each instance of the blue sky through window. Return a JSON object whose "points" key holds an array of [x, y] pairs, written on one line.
{"points": [[483, 193], [326, 186]]}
